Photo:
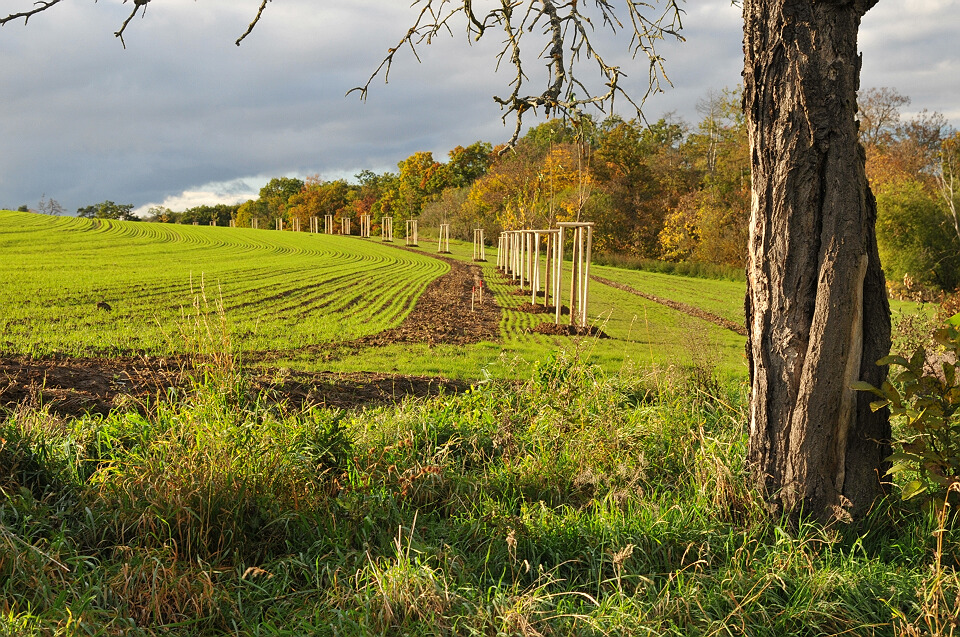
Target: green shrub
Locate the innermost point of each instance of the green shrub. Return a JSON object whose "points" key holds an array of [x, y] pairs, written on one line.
{"points": [[914, 245], [924, 400]]}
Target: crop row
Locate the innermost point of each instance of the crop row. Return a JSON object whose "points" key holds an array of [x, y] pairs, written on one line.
{"points": [[276, 290]]}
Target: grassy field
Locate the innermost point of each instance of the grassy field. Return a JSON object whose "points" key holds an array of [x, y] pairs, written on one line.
{"points": [[276, 289], [580, 487], [283, 291], [574, 503]]}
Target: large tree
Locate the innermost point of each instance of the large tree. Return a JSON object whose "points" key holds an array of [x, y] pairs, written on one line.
{"points": [[817, 311], [816, 305]]}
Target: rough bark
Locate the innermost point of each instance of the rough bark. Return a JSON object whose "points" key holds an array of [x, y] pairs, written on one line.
{"points": [[817, 311]]}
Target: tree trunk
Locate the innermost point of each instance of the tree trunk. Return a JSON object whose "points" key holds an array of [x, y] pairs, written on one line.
{"points": [[817, 311]]}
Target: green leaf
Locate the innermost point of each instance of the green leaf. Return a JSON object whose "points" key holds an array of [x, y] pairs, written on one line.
{"points": [[947, 337], [954, 320], [907, 377], [901, 456], [894, 359], [891, 392], [940, 480], [877, 405], [913, 489], [900, 468], [862, 385]]}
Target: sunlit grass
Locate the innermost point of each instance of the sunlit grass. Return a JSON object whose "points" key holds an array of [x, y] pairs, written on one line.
{"points": [[574, 502], [277, 290]]}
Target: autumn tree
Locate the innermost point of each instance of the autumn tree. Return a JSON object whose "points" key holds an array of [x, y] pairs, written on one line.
{"points": [[372, 193], [642, 172], [453, 207], [221, 214], [276, 194], [878, 110], [466, 165], [388, 203], [318, 198], [710, 222], [919, 248], [250, 210], [514, 193], [948, 178], [421, 178], [108, 210]]}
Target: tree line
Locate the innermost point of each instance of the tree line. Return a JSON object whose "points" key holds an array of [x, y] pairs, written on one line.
{"points": [[663, 190], [666, 190]]}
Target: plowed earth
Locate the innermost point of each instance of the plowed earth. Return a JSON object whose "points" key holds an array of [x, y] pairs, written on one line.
{"points": [[448, 312]]}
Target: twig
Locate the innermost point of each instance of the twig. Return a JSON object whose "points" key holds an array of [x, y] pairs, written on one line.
{"points": [[42, 5], [263, 5]]}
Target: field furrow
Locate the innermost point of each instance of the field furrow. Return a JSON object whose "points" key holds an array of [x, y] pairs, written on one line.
{"points": [[125, 287]]}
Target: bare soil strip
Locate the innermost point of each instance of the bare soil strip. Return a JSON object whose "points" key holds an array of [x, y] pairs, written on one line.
{"points": [[442, 315], [676, 305], [450, 311], [75, 386]]}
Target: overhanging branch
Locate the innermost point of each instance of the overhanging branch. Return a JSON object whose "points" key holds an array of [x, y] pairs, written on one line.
{"points": [[569, 32], [43, 5]]}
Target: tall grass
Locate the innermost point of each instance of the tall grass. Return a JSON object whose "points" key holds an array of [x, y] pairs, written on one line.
{"points": [[573, 503]]}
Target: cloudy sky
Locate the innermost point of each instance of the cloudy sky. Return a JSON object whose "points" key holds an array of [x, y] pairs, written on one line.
{"points": [[182, 116]]}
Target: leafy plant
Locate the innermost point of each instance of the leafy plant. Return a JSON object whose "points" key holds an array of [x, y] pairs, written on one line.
{"points": [[924, 399]]}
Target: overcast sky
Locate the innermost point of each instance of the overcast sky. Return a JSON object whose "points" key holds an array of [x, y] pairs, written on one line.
{"points": [[182, 116]]}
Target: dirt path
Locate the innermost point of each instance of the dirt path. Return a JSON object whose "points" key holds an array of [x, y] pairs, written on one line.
{"points": [[442, 314], [676, 305]]}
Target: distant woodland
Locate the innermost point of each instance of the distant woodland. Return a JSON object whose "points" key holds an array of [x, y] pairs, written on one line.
{"points": [[659, 191]]}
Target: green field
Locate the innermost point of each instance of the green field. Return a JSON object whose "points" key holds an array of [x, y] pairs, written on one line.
{"points": [[276, 290], [284, 292]]}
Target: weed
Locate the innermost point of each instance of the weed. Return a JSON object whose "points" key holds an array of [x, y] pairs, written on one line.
{"points": [[939, 592], [925, 400]]}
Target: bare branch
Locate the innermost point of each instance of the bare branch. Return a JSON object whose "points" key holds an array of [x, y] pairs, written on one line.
{"points": [[568, 32], [263, 5], [136, 6], [42, 5], [427, 25], [566, 28]]}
